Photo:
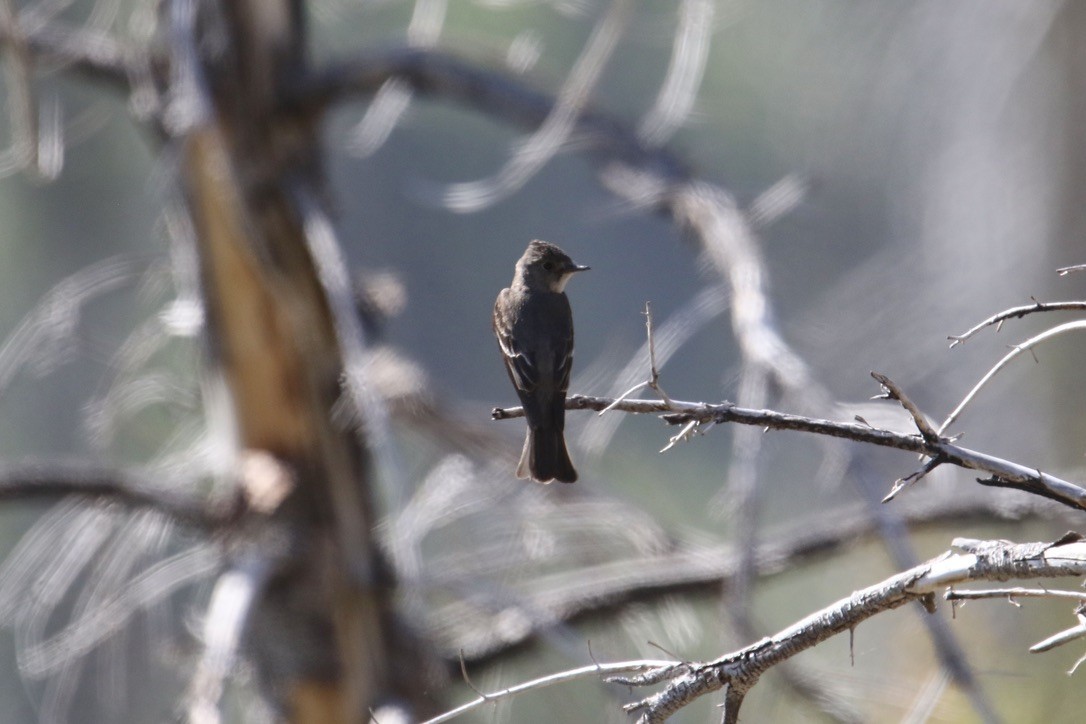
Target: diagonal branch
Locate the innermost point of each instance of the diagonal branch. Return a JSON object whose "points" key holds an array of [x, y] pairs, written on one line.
{"points": [[1016, 313], [994, 560]]}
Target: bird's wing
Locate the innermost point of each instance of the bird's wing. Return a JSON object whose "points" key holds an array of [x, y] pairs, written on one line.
{"points": [[563, 360], [522, 370]]}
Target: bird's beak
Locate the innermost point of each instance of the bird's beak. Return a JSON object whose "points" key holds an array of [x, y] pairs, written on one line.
{"points": [[578, 267]]}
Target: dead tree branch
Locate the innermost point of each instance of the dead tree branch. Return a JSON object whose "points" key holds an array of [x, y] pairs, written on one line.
{"points": [[1004, 473], [992, 560], [1016, 313], [740, 670]]}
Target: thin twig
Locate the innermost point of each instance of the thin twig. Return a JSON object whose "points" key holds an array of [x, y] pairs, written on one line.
{"points": [[913, 477], [561, 677], [1012, 593], [896, 393], [682, 435], [1016, 313], [467, 679], [623, 396], [1028, 345], [654, 373], [1063, 637]]}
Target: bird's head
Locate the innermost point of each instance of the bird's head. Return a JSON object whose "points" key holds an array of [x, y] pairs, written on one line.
{"points": [[545, 266]]}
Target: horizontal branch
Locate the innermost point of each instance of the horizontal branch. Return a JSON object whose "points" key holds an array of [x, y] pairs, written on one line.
{"points": [[1004, 472], [990, 560], [53, 481], [1013, 593]]}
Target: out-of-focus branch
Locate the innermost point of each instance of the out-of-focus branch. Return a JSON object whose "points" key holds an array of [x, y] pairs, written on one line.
{"points": [[86, 52], [235, 595], [1004, 473], [493, 93], [555, 130], [52, 481], [689, 54], [24, 113], [569, 596]]}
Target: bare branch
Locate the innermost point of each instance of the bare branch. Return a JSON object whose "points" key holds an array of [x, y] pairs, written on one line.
{"points": [[913, 477], [896, 393], [558, 678], [1015, 313], [994, 560], [1018, 349], [777, 201], [1005, 473], [654, 372], [1012, 593], [668, 339], [1063, 637]]}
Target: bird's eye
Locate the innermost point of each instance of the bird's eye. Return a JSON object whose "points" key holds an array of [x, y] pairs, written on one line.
{"points": [[548, 265]]}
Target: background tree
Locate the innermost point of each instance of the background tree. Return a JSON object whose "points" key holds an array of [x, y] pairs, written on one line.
{"points": [[269, 370]]}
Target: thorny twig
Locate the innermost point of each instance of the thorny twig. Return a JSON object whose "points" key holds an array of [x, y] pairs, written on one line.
{"points": [[1015, 313], [1004, 473]]}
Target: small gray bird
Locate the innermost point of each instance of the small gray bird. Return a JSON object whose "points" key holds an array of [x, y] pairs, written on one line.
{"points": [[534, 326]]}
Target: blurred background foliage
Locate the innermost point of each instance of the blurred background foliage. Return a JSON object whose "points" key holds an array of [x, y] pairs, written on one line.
{"points": [[941, 146]]}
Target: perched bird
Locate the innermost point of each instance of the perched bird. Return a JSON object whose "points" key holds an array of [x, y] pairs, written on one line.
{"points": [[534, 326]]}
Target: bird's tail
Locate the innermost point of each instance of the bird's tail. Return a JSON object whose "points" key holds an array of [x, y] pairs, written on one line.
{"points": [[545, 457]]}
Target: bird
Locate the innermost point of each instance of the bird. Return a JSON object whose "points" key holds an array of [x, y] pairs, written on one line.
{"points": [[534, 326]]}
